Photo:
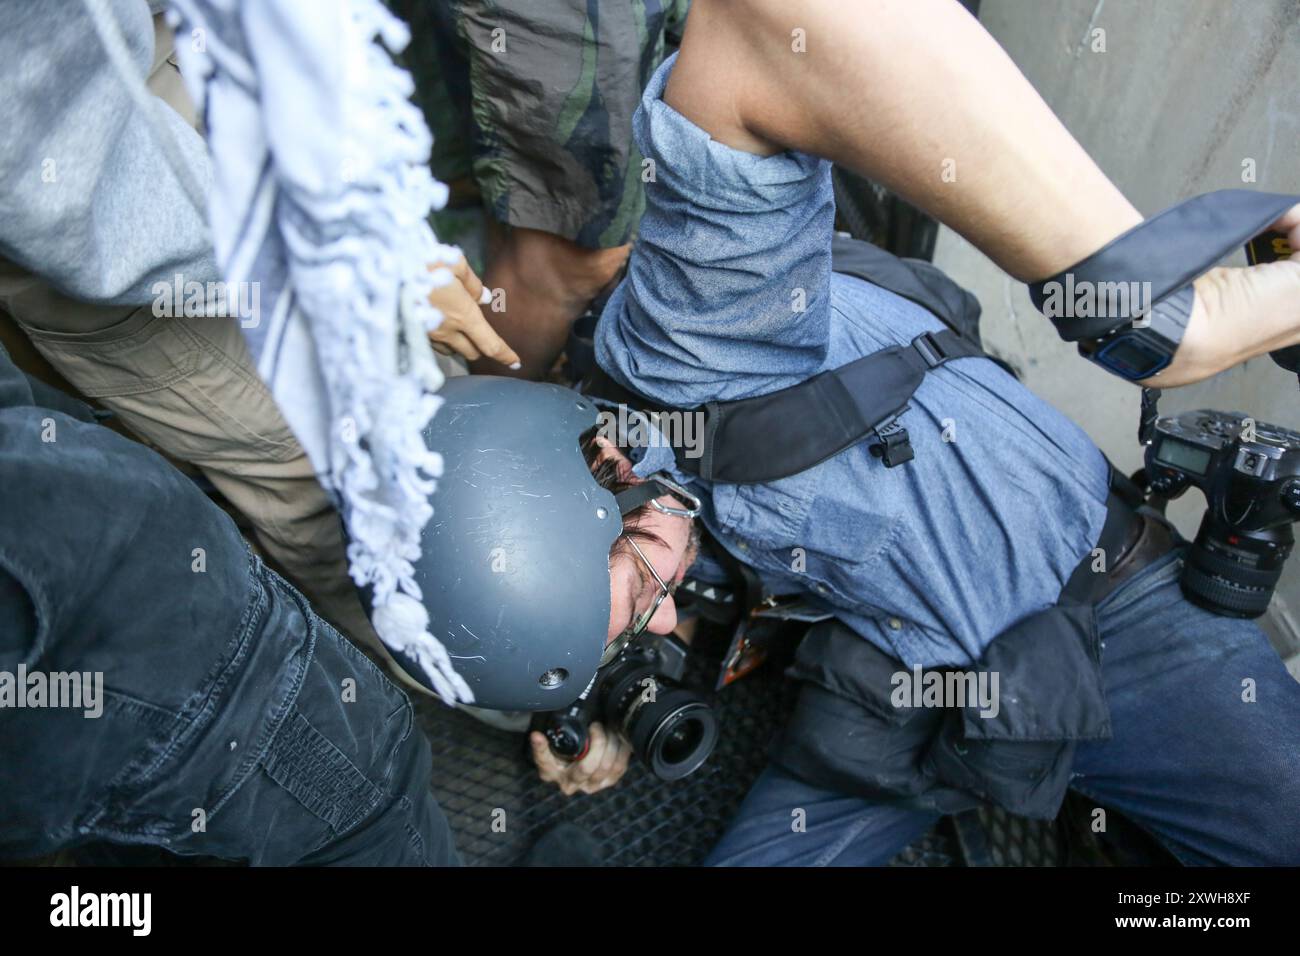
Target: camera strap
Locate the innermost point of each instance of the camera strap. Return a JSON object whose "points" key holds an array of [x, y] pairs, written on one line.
{"points": [[1162, 254]]}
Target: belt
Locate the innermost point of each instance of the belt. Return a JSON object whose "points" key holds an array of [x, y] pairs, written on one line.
{"points": [[1130, 540], [1149, 539]]}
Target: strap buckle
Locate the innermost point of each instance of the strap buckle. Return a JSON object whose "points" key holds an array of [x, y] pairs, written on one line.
{"points": [[895, 447], [928, 347]]}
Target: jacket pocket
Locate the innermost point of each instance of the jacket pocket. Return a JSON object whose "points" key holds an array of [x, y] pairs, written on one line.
{"points": [[1026, 777], [848, 734], [1049, 682], [1048, 696], [845, 734]]}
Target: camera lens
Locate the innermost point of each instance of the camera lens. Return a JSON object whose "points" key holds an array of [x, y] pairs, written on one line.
{"points": [[672, 730], [1225, 586], [1232, 573], [682, 741]]}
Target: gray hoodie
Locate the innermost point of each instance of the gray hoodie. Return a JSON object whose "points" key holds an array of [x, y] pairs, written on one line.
{"points": [[89, 202]]}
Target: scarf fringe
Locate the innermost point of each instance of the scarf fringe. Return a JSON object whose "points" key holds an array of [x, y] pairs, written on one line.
{"points": [[358, 261]]}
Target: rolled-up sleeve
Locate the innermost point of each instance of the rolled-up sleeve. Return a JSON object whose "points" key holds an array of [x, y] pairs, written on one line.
{"points": [[728, 287]]}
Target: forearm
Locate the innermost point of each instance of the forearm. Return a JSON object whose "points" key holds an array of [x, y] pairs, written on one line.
{"points": [[916, 95], [911, 93]]}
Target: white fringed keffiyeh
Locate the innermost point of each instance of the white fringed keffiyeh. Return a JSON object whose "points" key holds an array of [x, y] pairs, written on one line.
{"points": [[321, 195]]}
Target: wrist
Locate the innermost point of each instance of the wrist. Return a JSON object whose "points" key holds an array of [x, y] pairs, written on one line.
{"points": [[1143, 347], [1199, 354]]}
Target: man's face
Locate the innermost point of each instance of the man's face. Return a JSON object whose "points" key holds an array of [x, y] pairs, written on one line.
{"points": [[632, 588]]}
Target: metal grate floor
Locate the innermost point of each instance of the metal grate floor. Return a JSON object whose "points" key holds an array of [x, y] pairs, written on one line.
{"points": [[485, 781], [486, 784]]}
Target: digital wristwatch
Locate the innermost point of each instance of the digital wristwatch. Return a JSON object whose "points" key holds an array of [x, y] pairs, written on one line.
{"points": [[1146, 346]]}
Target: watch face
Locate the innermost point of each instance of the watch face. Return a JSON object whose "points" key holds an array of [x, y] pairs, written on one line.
{"points": [[1131, 356]]}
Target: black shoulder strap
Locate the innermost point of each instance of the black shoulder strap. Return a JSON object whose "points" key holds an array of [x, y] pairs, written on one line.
{"points": [[783, 433], [913, 279]]}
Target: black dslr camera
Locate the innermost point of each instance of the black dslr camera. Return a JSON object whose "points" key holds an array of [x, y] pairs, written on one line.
{"points": [[672, 729], [1250, 474]]}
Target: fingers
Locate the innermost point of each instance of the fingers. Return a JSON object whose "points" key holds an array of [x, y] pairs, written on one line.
{"points": [[1289, 224], [604, 764], [458, 308], [484, 337], [486, 340], [549, 766], [614, 766], [608, 764], [553, 769], [600, 760], [469, 279], [1290, 219], [581, 772], [465, 330], [1239, 314], [456, 341]]}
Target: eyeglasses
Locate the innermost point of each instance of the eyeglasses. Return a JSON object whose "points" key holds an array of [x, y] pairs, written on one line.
{"points": [[615, 647], [651, 490]]}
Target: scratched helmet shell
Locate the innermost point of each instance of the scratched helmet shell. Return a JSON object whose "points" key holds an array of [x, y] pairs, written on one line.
{"points": [[514, 563]]}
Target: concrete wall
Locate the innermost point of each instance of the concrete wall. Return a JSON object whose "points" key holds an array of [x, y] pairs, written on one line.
{"points": [[1185, 91]]}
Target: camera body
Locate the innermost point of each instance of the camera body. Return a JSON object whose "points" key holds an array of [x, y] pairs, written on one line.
{"points": [[672, 729], [1249, 473]]}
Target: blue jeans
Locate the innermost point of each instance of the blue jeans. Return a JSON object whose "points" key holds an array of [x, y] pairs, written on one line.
{"points": [[230, 720], [1205, 753]]}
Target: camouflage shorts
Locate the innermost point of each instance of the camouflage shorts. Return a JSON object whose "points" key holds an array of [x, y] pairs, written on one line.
{"points": [[531, 102]]}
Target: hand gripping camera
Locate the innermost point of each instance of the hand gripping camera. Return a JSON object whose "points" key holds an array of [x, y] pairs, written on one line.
{"points": [[672, 729], [1250, 474]]}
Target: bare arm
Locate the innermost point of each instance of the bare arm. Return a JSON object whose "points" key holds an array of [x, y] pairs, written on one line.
{"points": [[916, 95]]}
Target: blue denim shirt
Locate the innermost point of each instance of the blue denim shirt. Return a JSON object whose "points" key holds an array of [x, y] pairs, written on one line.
{"points": [[730, 294]]}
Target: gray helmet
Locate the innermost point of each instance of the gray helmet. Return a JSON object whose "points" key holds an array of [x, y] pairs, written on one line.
{"points": [[514, 564]]}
